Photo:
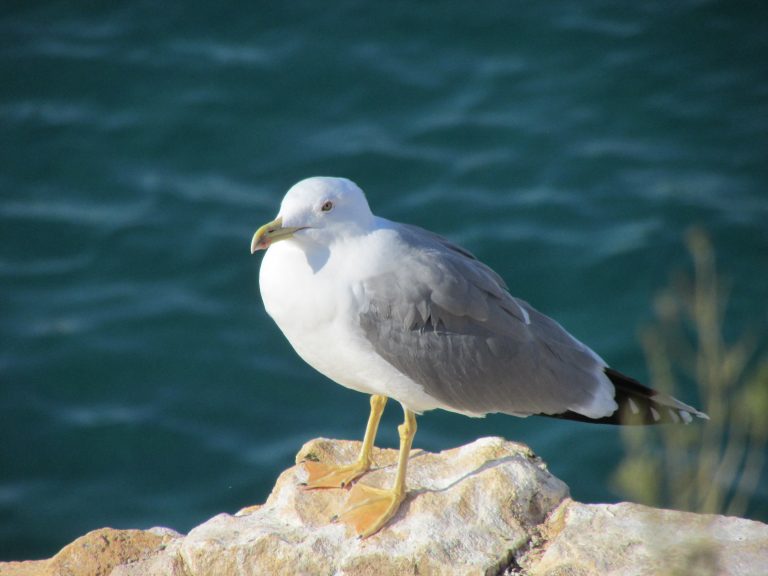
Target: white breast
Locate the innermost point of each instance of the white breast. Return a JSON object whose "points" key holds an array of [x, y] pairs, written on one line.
{"points": [[318, 313]]}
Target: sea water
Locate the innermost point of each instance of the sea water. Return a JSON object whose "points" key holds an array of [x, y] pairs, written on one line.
{"points": [[569, 146]]}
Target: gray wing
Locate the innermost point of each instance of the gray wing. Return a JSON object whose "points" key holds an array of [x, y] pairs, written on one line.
{"points": [[447, 321]]}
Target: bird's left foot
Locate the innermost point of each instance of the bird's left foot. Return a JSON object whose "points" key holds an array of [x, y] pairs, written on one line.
{"points": [[368, 509]]}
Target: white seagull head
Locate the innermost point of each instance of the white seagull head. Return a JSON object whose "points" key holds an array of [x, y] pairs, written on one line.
{"points": [[318, 210]]}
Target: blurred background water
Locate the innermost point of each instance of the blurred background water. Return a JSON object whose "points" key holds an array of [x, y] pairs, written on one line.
{"points": [[569, 145]]}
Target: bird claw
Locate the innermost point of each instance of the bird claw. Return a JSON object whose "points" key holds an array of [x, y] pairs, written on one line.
{"points": [[332, 476], [368, 509]]}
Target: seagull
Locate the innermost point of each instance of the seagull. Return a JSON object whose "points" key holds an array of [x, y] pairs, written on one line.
{"points": [[396, 311]]}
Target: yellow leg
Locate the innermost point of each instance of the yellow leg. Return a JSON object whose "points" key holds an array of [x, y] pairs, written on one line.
{"points": [[368, 509], [335, 476]]}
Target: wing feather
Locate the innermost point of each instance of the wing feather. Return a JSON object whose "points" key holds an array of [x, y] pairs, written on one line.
{"points": [[447, 321]]}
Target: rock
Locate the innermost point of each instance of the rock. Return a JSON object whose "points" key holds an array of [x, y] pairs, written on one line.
{"points": [[435, 531], [96, 554], [26, 568], [490, 507], [606, 539]]}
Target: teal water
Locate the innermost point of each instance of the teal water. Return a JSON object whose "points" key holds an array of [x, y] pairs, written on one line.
{"points": [[569, 146]]}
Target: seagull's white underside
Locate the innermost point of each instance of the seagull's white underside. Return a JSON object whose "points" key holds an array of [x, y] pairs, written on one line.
{"points": [[318, 313]]}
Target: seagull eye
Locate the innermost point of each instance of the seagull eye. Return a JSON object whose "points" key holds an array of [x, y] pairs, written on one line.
{"points": [[327, 206]]}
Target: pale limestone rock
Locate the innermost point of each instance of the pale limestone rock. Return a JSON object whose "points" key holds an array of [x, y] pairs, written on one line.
{"points": [[630, 539], [96, 553], [25, 568], [467, 510], [489, 507], [167, 562]]}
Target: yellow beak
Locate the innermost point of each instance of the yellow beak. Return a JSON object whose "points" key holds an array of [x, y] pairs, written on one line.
{"points": [[272, 232]]}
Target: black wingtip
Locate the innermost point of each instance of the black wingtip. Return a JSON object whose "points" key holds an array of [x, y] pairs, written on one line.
{"points": [[639, 405]]}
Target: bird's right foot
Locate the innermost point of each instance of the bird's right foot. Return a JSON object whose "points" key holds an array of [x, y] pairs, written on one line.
{"points": [[333, 475]]}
